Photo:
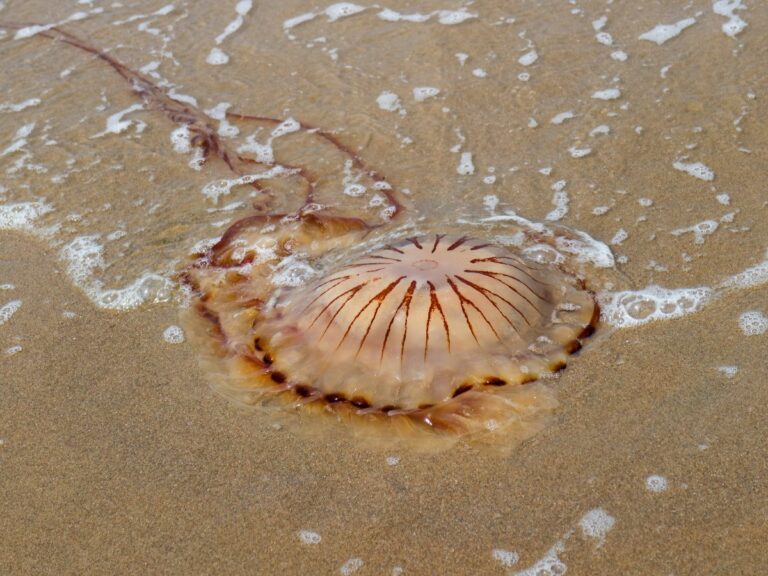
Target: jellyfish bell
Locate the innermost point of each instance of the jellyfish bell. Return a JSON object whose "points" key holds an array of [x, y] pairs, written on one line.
{"points": [[435, 332]]}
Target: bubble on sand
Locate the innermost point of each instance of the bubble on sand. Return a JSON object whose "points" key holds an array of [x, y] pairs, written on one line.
{"points": [[217, 57], [393, 460], [309, 537], [8, 310], [422, 93], [607, 94], [656, 483], [11, 350], [695, 169], [19, 216], [728, 371], [727, 8], [663, 32], [351, 566], [506, 558], [753, 323], [389, 101], [466, 167], [173, 335], [596, 524], [619, 55], [562, 117], [528, 58], [637, 307], [550, 564]]}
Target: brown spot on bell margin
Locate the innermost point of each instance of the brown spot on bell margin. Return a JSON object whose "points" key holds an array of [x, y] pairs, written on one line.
{"points": [[278, 377], [257, 344], [333, 398], [495, 382], [461, 389], [388, 408], [268, 359], [557, 367], [360, 403], [572, 347], [303, 391]]}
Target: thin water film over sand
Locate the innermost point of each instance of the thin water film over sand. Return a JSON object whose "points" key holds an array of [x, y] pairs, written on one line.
{"points": [[228, 160]]}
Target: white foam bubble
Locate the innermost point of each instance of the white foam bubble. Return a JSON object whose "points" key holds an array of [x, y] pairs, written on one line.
{"points": [[453, 17], [28, 31], [394, 16], [11, 350], [636, 307], [84, 257], [466, 167], [723, 198], [607, 94], [562, 117], [600, 23], [342, 10], [19, 140], [173, 335], [116, 124], [752, 276], [180, 139], [19, 106], [393, 460], [619, 55], [8, 309], [576, 152], [21, 215], [479, 73], [214, 190], [560, 200], [696, 169], [217, 57], [700, 230], [506, 558], [309, 537], [655, 483], [604, 38], [242, 8], [728, 371], [619, 237], [389, 101], [600, 130], [596, 524], [528, 58], [753, 323], [663, 32], [549, 564], [351, 566], [735, 24], [422, 93], [300, 19]]}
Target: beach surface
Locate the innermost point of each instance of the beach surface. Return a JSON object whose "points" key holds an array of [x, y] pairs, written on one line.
{"points": [[641, 125]]}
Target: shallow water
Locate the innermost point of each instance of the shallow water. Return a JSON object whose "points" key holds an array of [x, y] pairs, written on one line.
{"points": [[650, 145]]}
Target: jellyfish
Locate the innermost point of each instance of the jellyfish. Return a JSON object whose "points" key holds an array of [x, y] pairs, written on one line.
{"points": [[437, 331]]}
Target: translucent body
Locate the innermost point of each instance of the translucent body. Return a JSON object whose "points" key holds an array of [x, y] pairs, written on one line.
{"points": [[441, 330]]}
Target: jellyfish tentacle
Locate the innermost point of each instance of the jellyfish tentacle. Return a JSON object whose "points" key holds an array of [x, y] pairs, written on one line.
{"points": [[203, 134]]}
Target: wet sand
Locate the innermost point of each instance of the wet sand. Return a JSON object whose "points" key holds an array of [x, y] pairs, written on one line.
{"points": [[118, 458]]}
